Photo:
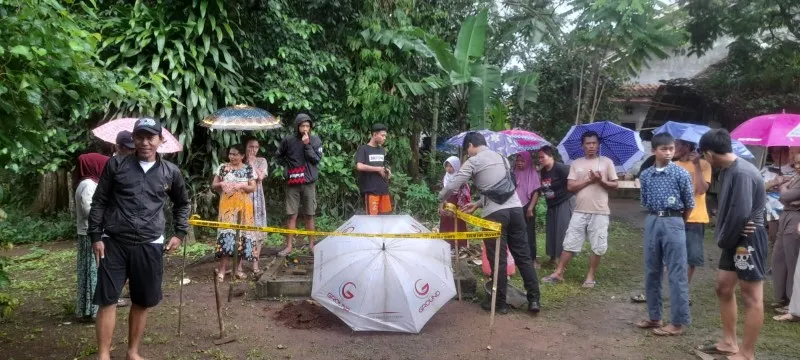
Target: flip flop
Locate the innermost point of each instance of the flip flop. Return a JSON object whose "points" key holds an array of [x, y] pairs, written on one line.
{"points": [[550, 279], [786, 318], [639, 299], [661, 332], [589, 284], [284, 253], [648, 324], [711, 348], [782, 310]]}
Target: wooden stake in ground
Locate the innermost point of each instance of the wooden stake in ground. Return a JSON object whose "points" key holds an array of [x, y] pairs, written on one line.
{"points": [[458, 267], [189, 237], [494, 288]]}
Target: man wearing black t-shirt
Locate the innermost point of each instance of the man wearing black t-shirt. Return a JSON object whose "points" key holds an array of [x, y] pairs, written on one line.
{"points": [[373, 174]]}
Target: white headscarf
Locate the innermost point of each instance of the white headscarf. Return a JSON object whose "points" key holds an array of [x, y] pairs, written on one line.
{"points": [[456, 164]]}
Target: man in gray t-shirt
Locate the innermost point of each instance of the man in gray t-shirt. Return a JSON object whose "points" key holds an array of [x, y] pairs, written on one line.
{"points": [[741, 235]]}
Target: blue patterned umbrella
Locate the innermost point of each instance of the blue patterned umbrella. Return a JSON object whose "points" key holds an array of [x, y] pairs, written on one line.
{"points": [[693, 132], [620, 144], [241, 117], [495, 141]]}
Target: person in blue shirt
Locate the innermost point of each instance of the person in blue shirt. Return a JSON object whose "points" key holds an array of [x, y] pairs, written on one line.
{"points": [[668, 194]]}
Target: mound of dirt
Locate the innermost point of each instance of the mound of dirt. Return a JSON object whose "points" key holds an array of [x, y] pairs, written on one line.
{"points": [[306, 314]]}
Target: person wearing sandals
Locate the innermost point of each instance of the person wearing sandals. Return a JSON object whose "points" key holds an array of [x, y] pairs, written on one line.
{"points": [[668, 194], [793, 311], [590, 179], [235, 181], [560, 202], [741, 235], [261, 169]]}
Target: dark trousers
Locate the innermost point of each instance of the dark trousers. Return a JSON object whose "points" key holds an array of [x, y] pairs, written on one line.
{"points": [[514, 238]]}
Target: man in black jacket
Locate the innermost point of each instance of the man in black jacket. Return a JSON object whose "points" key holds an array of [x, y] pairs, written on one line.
{"points": [[126, 223], [300, 154]]}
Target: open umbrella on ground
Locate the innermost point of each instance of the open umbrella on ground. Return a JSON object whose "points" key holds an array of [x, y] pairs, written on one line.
{"points": [[241, 117], [108, 133], [529, 140], [495, 141], [692, 134], [768, 130], [622, 145], [383, 284]]}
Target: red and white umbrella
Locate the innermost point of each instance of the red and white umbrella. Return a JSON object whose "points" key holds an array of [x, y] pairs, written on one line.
{"points": [[108, 133], [527, 139]]}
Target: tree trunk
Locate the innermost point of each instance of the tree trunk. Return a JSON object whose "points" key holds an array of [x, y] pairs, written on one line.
{"points": [[434, 130], [54, 193], [413, 167]]}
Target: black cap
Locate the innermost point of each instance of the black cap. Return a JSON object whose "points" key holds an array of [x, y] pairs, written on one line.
{"points": [[147, 124], [125, 138]]}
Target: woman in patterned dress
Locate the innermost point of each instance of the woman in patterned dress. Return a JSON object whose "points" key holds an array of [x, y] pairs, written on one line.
{"points": [[447, 221], [234, 180], [90, 166], [260, 168]]}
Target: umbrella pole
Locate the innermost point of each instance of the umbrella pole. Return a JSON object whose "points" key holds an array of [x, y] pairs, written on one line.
{"points": [[494, 288], [190, 237]]}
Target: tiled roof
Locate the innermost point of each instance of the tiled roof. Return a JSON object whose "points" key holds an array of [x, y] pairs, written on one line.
{"points": [[639, 90]]}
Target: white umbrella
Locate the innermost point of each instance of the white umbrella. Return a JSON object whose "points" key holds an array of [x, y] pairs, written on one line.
{"points": [[383, 284]]}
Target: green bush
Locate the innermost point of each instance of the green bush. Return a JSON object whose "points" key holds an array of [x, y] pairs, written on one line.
{"points": [[22, 228]]}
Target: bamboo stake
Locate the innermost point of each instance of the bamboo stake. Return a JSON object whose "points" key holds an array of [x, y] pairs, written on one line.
{"points": [[494, 289]]}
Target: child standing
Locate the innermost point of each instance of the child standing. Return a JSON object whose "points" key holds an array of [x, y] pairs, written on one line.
{"points": [[667, 192]]}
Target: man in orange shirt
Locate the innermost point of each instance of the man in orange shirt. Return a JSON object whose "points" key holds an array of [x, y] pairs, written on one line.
{"points": [[700, 171]]}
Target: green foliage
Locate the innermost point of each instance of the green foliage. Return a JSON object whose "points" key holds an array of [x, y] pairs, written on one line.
{"points": [[22, 228], [51, 81]]}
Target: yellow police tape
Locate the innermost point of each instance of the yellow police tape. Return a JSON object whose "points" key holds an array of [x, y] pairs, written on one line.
{"points": [[493, 229]]}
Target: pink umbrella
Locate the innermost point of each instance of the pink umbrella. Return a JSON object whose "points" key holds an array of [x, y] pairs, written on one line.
{"points": [[527, 139], [108, 133], [768, 130]]}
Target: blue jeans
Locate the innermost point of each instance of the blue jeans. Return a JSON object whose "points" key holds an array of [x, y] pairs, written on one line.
{"points": [[665, 245]]}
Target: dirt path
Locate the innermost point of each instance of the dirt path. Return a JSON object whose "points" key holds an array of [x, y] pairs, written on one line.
{"points": [[574, 324]]}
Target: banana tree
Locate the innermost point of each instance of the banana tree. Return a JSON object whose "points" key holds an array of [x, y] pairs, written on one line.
{"points": [[463, 69]]}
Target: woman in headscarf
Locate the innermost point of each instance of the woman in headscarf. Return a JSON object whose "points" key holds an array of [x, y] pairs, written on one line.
{"points": [[261, 170], [90, 167], [527, 185], [447, 221], [234, 180]]}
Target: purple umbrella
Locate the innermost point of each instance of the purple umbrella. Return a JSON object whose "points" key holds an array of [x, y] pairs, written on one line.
{"points": [[495, 141]]}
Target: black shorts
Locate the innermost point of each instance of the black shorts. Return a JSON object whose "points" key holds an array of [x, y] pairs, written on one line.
{"points": [[748, 258], [141, 264]]}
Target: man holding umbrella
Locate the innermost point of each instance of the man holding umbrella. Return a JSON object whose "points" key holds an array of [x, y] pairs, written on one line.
{"points": [[488, 169]]}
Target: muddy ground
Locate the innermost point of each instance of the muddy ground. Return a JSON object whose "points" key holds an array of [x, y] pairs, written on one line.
{"points": [[575, 323]]}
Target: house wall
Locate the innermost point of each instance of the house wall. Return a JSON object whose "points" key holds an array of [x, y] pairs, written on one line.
{"points": [[636, 117]]}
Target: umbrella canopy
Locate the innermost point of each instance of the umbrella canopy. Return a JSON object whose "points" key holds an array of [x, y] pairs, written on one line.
{"points": [[108, 133], [495, 141], [768, 130], [241, 117], [383, 284], [693, 132], [622, 145], [529, 140]]}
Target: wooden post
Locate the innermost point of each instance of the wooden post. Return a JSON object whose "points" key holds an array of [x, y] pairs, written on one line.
{"points": [[458, 266], [219, 306], [494, 287]]}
